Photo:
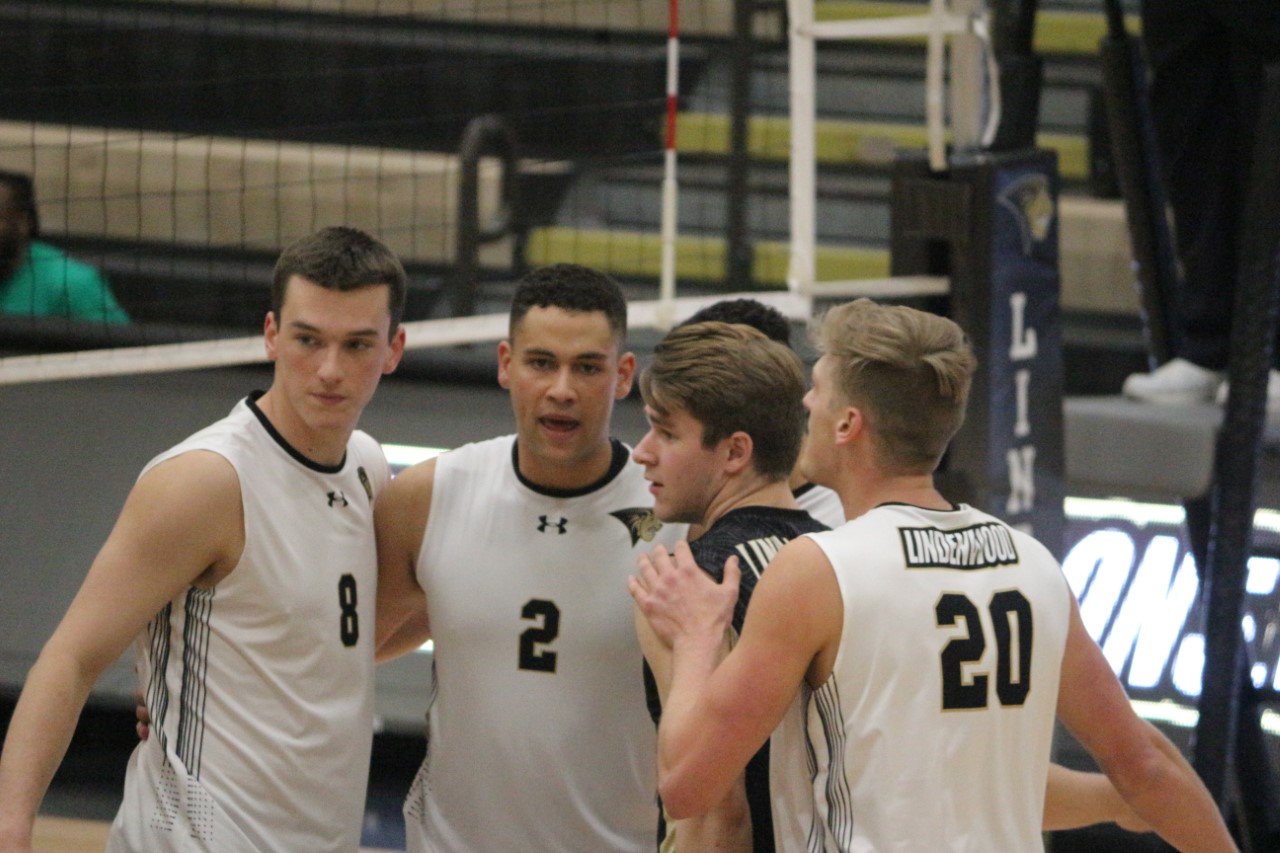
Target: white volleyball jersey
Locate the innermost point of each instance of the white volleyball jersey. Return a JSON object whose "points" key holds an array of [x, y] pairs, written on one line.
{"points": [[537, 733], [261, 688], [934, 729]]}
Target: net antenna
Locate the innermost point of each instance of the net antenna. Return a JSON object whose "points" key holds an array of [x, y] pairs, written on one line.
{"points": [[665, 316], [963, 26]]}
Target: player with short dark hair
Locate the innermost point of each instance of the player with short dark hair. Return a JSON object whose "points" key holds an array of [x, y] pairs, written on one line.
{"points": [[243, 567], [509, 554]]}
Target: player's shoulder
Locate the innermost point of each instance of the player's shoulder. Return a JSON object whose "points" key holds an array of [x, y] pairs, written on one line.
{"points": [[416, 479], [368, 447], [222, 438], [401, 509], [1025, 543], [474, 455], [191, 483]]}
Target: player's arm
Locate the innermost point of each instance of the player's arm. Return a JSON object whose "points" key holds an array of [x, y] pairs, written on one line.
{"points": [[727, 827], [1076, 798], [181, 524], [400, 521], [716, 718], [1146, 768]]}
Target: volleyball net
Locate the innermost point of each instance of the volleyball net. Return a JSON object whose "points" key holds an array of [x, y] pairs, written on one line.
{"points": [[177, 145]]}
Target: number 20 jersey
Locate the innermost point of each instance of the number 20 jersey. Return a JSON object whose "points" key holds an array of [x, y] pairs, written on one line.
{"points": [[934, 730], [537, 733]]}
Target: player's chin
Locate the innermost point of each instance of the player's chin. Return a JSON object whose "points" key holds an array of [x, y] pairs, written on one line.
{"points": [[334, 415]]}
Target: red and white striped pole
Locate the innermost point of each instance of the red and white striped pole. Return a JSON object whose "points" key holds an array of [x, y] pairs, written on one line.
{"points": [[667, 279]]}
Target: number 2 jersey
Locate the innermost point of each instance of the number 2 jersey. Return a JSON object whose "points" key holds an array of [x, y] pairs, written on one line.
{"points": [[537, 732], [934, 730], [260, 688]]}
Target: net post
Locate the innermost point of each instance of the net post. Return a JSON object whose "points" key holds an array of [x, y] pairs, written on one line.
{"points": [[990, 223], [802, 61], [667, 273]]}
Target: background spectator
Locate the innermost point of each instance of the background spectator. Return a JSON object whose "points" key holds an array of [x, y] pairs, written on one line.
{"points": [[38, 279]]}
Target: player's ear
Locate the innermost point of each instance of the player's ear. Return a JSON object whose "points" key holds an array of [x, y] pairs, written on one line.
{"points": [[504, 363], [398, 339], [850, 424], [270, 332], [626, 375], [740, 450]]}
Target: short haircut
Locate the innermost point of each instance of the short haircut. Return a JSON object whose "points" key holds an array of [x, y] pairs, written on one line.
{"points": [[908, 370], [24, 197], [748, 312], [341, 258], [570, 287], [730, 378]]}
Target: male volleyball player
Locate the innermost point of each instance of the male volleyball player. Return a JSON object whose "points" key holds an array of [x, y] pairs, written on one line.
{"points": [[509, 554], [726, 427], [916, 656], [243, 562], [819, 501]]}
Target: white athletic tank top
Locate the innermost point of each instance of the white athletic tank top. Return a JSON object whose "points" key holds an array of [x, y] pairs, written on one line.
{"points": [[934, 730], [537, 733], [261, 688]]}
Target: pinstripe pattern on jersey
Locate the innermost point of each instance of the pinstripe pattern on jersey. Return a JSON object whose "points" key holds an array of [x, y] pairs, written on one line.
{"points": [[816, 840], [757, 553], [839, 799], [157, 697], [195, 664]]}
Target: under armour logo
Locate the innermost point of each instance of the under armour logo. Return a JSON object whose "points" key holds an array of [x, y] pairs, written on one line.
{"points": [[561, 526], [336, 498]]}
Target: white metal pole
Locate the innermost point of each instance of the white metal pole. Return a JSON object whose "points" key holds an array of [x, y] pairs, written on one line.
{"points": [[667, 280], [935, 103], [802, 270], [968, 75]]}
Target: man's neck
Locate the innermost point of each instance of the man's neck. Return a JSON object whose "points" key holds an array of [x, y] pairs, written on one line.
{"points": [[771, 493], [915, 490], [554, 475], [324, 447]]}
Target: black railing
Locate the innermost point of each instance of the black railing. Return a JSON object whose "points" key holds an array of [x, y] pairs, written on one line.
{"points": [[491, 135]]}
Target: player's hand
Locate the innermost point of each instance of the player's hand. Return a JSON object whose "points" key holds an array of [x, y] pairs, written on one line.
{"points": [[681, 600], [143, 716]]}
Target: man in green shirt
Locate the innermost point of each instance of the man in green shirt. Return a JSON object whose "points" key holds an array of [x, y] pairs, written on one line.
{"points": [[40, 280]]}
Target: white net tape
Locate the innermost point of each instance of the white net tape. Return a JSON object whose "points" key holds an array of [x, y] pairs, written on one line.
{"points": [[421, 334]]}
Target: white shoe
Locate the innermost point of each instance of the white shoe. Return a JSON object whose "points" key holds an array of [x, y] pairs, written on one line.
{"points": [[1273, 392], [1177, 382]]}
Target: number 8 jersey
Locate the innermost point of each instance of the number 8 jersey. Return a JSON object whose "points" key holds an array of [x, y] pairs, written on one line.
{"points": [[934, 730], [538, 737], [260, 688]]}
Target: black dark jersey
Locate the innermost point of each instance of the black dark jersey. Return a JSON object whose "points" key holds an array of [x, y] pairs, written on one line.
{"points": [[754, 534]]}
